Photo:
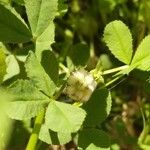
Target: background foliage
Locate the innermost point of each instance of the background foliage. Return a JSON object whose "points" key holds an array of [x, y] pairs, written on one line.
{"points": [[42, 42]]}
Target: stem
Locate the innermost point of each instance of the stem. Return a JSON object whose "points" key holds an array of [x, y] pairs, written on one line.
{"points": [[35, 133], [144, 133], [56, 96], [64, 68], [114, 70], [112, 81], [146, 129]]}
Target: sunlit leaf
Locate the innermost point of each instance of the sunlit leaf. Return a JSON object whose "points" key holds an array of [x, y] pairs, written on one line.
{"points": [[52, 137], [141, 59], [40, 14], [37, 74], [118, 38], [21, 110], [64, 117]]}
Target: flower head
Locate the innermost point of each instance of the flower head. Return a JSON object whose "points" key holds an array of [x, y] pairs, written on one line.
{"points": [[80, 85]]}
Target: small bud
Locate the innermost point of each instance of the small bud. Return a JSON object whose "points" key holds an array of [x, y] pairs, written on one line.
{"points": [[80, 85]]}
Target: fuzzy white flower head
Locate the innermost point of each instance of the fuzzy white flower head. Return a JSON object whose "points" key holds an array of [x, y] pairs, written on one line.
{"points": [[80, 85]]}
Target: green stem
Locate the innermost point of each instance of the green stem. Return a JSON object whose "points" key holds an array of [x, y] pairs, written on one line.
{"points": [[64, 68], [112, 81], [114, 70], [56, 96], [146, 129], [144, 133], [35, 133]]}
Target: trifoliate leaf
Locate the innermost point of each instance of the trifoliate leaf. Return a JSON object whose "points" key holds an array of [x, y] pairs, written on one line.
{"points": [[37, 74], [119, 40], [64, 117]]}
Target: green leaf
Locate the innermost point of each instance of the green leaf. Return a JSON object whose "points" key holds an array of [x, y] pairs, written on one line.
{"points": [[54, 138], [37, 74], [64, 117], [28, 100], [24, 90], [12, 67], [50, 64], [79, 54], [2, 65], [141, 59], [101, 102], [40, 14], [119, 40], [12, 28], [45, 40], [21, 110], [93, 139]]}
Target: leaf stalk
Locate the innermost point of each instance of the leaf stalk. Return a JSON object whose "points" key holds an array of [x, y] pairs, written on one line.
{"points": [[35, 133]]}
